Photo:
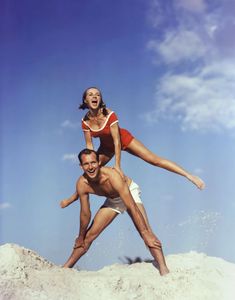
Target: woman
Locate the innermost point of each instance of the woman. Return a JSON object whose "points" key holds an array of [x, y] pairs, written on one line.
{"points": [[103, 123]]}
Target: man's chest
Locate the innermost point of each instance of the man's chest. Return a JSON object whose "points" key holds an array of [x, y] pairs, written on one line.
{"points": [[104, 189]]}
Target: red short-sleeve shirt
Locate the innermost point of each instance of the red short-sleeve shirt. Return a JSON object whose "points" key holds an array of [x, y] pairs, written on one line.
{"points": [[104, 133]]}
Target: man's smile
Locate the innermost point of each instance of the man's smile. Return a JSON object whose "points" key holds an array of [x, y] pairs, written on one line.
{"points": [[91, 171]]}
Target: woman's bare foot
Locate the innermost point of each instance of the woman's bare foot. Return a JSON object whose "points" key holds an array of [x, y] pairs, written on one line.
{"points": [[197, 181]]}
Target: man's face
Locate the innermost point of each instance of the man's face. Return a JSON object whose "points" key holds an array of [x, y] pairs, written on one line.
{"points": [[90, 165]]}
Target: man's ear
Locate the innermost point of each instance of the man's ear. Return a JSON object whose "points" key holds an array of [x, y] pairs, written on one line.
{"points": [[81, 166], [100, 163]]}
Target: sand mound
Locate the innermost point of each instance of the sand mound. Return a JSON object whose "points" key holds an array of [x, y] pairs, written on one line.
{"points": [[25, 275]]}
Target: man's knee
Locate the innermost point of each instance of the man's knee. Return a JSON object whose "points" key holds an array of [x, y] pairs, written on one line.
{"points": [[90, 237]]}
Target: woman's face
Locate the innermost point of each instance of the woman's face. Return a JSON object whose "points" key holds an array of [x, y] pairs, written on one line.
{"points": [[93, 98]]}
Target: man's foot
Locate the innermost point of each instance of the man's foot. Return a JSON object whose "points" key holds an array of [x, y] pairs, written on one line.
{"points": [[197, 181], [164, 271]]}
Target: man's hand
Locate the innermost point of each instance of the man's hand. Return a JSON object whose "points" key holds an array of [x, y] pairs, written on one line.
{"points": [[151, 240], [64, 203], [79, 243]]}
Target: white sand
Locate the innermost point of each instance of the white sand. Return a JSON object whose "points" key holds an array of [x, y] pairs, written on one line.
{"points": [[25, 275]]}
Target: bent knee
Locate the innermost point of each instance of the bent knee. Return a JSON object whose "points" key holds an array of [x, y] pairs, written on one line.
{"points": [[154, 160], [90, 237]]}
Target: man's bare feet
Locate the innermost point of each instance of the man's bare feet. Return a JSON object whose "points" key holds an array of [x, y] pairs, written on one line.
{"points": [[197, 181], [164, 271]]}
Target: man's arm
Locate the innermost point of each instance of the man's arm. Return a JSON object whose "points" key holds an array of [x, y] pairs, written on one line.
{"points": [[122, 188], [85, 216], [66, 202]]}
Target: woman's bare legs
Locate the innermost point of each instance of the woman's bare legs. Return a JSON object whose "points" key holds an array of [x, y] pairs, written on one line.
{"points": [[138, 149], [156, 253], [105, 158]]}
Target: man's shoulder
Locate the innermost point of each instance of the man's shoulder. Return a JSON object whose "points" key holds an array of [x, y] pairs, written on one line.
{"points": [[81, 182], [105, 169], [113, 176], [80, 179], [108, 171]]}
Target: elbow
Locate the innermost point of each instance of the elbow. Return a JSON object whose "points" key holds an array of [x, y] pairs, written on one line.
{"points": [[85, 215], [88, 215]]}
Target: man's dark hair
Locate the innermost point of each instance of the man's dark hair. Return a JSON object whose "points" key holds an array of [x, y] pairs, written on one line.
{"points": [[87, 152]]}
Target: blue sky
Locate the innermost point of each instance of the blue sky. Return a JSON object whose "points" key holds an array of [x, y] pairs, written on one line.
{"points": [[167, 69]]}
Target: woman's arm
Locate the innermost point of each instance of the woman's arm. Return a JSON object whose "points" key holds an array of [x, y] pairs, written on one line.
{"points": [[114, 129], [88, 140]]}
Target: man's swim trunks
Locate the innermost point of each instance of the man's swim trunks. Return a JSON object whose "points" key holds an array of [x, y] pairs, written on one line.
{"points": [[118, 205]]}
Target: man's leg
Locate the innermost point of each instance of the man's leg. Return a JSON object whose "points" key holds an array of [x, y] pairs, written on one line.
{"points": [[101, 220], [156, 253]]}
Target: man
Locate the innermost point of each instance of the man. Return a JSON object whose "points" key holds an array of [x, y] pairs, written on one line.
{"points": [[122, 194]]}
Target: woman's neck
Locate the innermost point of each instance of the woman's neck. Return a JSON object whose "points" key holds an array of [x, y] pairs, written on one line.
{"points": [[95, 113]]}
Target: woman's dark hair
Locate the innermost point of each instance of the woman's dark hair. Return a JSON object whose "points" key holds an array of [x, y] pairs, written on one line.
{"points": [[87, 152], [102, 104]]}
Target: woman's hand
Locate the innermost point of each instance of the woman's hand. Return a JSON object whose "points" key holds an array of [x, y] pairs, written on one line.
{"points": [[119, 170]]}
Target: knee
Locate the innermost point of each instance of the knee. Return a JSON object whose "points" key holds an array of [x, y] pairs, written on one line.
{"points": [[155, 160], [159, 162], [90, 237]]}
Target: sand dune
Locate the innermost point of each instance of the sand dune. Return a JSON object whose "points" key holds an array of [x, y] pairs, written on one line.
{"points": [[24, 275]]}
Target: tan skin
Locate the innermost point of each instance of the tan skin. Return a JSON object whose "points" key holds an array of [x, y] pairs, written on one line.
{"points": [[136, 148], [105, 181]]}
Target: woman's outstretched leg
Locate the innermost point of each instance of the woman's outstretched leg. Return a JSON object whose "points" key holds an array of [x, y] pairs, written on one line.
{"points": [[138, 149], [104, 158]]}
